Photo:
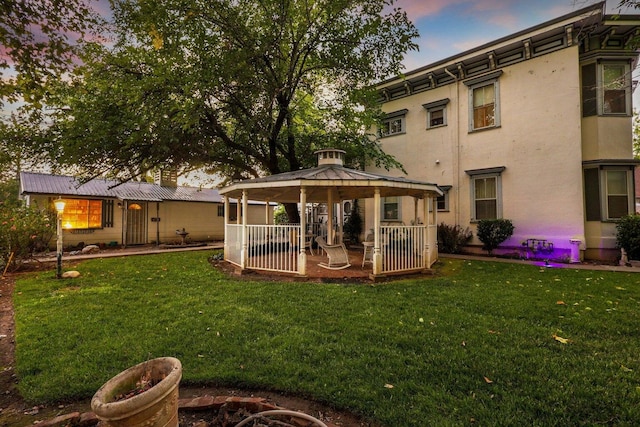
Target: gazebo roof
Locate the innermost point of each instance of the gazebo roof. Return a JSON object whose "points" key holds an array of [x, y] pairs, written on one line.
{"points": [[329, 175]]}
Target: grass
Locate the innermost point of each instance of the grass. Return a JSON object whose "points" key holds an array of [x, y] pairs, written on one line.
{"points": [[473, 343]]}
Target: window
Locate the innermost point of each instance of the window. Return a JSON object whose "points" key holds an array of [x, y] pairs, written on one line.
{"points": [[484, 106], [394, 123], [442, 202], [486, 193], [391, 209], [436, 113], [614, 88], [617, 189], [606, 88], [82, 214], [608, 192], [221, 211]]}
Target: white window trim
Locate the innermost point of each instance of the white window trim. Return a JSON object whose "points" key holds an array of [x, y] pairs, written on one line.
{"points": [[481, 174], [604, 199], [436, 106], [390, 117], [601, 88], [489, 79]]}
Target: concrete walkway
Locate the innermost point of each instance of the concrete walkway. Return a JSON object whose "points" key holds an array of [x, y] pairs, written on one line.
{"points": [[131, 250], [551, 264]]}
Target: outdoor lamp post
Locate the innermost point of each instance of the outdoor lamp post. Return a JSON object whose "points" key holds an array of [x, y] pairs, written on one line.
{"points": [[59, 204]]}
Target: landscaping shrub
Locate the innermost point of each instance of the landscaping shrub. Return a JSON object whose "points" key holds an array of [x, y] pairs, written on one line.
{"points": [[280, 215], [452, 238], [23, 231], [492, 232], [628, 236]]}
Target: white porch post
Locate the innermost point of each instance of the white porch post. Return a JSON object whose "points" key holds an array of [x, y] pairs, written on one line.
{"points": [[426, 254], [238, 209], [302, 255], [415, 211], [266, 213], [434, 249], [377, 253], [226, 236], [330, 217], [340, 216], [245, 237]]}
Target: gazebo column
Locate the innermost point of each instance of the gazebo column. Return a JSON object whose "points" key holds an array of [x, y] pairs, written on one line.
{"points": [[330, 232], [426, 255], [302, 255], [340, 216], [266, 213], [377, 253], [245, 237], [226, 233]]}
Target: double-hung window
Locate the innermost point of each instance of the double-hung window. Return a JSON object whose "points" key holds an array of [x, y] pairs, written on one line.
{"points": [[614, 88], [484, 102], [394, 123], [486, 193], [608, 192], [606, 88], [391, 209], [436, 113]]}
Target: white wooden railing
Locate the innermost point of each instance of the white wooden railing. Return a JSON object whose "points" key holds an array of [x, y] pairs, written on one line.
{"points": [[273, 247], [233, 243], [403, 248], [433, 245]]}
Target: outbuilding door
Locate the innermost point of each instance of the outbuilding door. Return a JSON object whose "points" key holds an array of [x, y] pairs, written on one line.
{"points": [[136, 223]]}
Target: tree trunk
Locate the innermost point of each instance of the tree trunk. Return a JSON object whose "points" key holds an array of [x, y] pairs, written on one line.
{"points": [[292, 212]]}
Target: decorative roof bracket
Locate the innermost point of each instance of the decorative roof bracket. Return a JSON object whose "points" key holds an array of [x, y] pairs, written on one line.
{"points": [[569, 32], [527, 48]]}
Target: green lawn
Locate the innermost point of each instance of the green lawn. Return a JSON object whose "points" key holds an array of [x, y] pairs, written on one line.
{"points": [[474, 342]]}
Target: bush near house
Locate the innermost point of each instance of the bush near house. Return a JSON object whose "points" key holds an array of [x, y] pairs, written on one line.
{"points": [[628, 236], [492, 232], [23, 231], [452, 238]]}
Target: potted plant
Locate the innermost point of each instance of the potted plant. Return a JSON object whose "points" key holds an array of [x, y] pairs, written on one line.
{"points": [[145, 394]]}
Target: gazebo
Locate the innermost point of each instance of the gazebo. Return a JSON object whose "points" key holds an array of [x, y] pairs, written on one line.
{"points": [[397, 248]]}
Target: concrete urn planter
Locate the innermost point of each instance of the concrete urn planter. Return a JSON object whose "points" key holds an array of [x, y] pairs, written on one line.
{"points": [[155, 407]]}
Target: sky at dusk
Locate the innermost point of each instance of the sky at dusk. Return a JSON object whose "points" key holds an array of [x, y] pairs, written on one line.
{"points": [[448, 27]]}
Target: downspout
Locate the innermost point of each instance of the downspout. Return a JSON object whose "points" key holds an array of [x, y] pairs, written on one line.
{"points": [[157, 223], [456, 146]]}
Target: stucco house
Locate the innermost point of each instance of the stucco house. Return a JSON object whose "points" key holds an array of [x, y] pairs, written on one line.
{"points": [[132, 213], [535, 127]]}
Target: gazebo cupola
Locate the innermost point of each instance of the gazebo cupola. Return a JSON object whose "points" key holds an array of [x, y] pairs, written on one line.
{"points": [[330, 156]]}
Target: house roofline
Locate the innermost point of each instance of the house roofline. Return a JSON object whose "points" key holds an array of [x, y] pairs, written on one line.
{"points": [[596, 8]]}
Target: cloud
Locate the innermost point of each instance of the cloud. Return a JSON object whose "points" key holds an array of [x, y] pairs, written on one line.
{"points": [[417, 9]]}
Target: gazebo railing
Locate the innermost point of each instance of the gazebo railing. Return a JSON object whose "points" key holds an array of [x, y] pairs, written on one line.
{"points": [[233, 244], [433, 245], [273, 247], [403, 248]]}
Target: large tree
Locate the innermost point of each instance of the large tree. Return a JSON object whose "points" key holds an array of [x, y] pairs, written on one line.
{"points": [[21, 143], [241, 87], [37, 42]]}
